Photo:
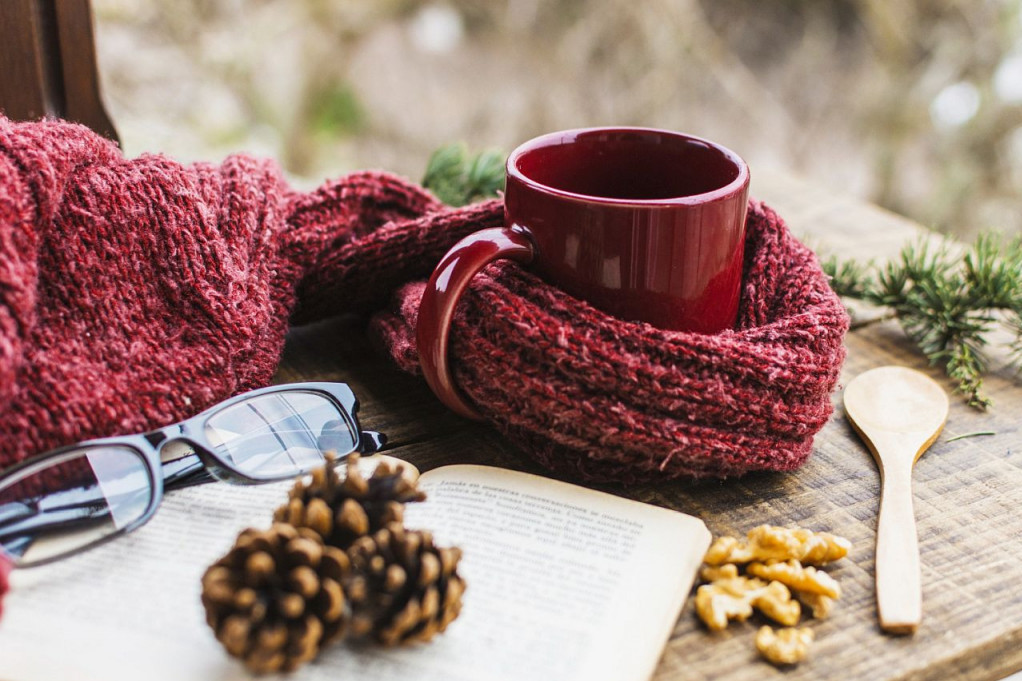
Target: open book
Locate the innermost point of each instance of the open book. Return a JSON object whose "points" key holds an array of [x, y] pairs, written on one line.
{"points": [[563, 583]]}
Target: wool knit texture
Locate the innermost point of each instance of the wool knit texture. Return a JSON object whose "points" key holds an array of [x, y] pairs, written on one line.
{"points": [[137, 292], [591, 396]]}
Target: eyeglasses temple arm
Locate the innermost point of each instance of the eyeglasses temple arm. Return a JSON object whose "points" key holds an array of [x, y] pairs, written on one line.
{"points": [[185, 472], [372, 441]]}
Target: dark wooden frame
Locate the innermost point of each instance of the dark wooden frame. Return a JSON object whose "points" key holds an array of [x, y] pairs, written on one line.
{"points": [[48, 63]]}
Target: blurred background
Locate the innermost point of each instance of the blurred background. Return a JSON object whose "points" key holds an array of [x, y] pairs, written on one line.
{"points": [[915, 105]]}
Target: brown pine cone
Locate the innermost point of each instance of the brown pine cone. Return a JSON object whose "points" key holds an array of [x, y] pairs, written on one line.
{"points": [[276, 597], [402, 587], [342, 509]]}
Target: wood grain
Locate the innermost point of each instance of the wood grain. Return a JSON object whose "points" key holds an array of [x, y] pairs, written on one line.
{"points": [[48, 63], [968, 492], [29, 83]]}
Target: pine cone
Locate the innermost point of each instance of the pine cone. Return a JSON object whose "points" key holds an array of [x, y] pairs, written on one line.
{"points": [[402, 587], [342, 509], [276, 597]]}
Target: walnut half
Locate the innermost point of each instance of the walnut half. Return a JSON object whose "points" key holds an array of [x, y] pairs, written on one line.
{"points": [[733, 598], [792, 574], [785, 646], [767, 542]]}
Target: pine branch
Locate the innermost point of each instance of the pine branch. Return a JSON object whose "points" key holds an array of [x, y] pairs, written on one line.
{"points": [[458, 177], [1013, 321], [947, 305], [848, 278]]}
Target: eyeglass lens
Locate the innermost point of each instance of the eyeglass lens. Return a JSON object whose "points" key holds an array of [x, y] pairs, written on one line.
{"points": [[72, 501], [280, 435]]}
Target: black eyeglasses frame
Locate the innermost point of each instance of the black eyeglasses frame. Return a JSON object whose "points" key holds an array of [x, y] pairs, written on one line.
{"points": [[191, 432]]}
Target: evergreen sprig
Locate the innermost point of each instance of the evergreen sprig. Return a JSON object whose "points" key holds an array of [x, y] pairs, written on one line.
{"points": [[947, 303], [458, 177]]}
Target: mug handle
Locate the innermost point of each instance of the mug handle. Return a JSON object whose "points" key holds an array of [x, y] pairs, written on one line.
{"points": [[448, 281]]}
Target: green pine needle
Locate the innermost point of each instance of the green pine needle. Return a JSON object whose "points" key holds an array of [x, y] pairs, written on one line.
{"points": [[458, 177], [978, 433], [947, 304], [848, 278]]}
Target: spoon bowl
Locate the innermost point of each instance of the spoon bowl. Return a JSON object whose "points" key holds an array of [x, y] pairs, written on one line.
{"points": [[898, 412]]}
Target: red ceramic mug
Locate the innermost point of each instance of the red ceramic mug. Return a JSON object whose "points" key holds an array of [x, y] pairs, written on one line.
{"points": [[647, 225]]}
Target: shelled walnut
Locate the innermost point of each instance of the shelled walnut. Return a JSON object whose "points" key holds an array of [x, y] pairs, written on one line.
{"points": [[785, 646], [820, 605], [772, 570], [711, 573], [734, 598], [795, 576], [767, 542], [717, 604]]}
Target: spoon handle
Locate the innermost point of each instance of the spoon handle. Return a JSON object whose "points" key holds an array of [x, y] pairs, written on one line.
{"points": [[899, 594]]}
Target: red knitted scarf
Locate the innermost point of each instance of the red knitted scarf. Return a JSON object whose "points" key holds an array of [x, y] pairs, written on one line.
{"points": [[595, 397], [134, 293]]}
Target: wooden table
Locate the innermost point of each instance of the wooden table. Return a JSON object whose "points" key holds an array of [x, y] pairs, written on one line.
{"points": [[967, 493]]}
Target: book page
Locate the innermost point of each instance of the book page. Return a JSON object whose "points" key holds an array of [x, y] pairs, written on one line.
{"points": [[563, 583], [130, 609]]}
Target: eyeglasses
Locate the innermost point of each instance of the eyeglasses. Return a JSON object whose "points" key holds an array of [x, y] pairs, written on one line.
{"points": [[77, 497]]}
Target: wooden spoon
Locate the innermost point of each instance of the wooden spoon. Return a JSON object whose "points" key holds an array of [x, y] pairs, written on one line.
{"points": [[898, 413]]}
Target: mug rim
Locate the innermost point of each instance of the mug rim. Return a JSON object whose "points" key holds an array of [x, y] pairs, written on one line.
{"points": [[569, 135]]}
